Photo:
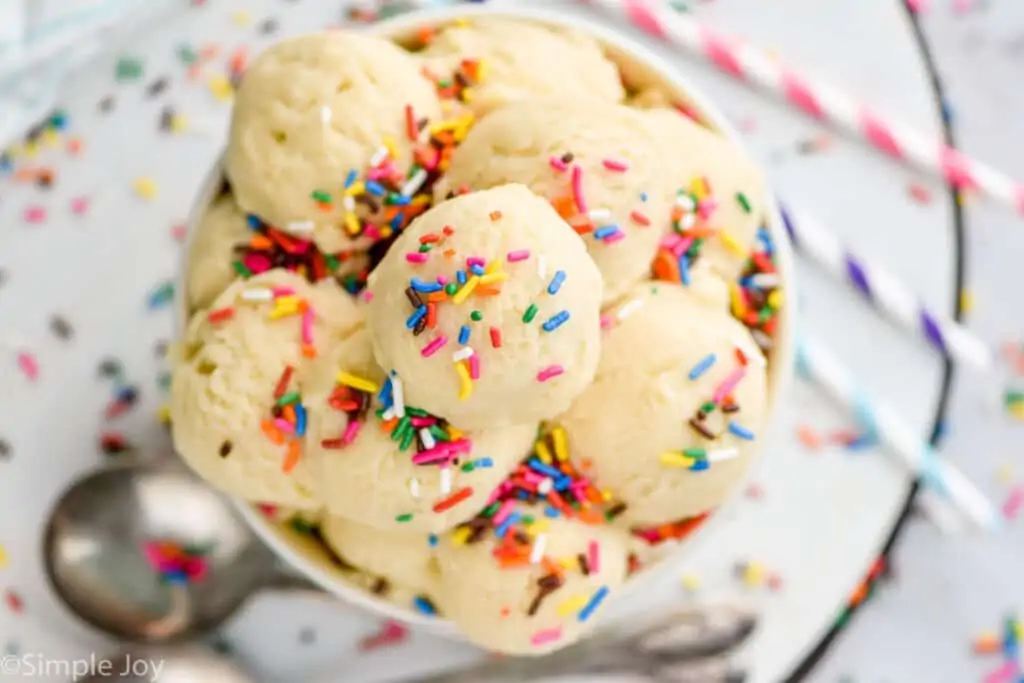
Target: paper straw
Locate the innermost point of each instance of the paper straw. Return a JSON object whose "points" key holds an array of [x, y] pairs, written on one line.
{"points": [[817, 363], [820, 100], [884, 291]]}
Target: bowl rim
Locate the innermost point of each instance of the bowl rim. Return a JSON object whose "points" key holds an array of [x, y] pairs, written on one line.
{"points": [[782, 358]]}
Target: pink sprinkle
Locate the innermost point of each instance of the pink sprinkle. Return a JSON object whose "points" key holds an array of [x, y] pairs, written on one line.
{"points": [[504, 511], [1013, 504], [594, 557], [307, 326], [372, 231], [577, 189], [614, 237], [79, 205], [546, 636], [1004, 674], [681, 246], [670, 241], [557, 164], [434, 346], [706, 208], [549, 372], [475, 261], [606, 321], [35, 214], [179, 233], [728, 384], [419, 422], [442, 452], [256, 263], [474, 367], [367, 296], [282, 291], [518, 255], [283, 425], [442, 280], [615, 165], [29, 365], [351, 431], [918, 5], [416, 257]]}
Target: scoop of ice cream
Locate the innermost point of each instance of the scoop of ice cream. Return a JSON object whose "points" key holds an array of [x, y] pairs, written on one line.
{"points": [[671, 421], [210, 255], [533, 588], [237, 411], [601, 167], [382, 461], [492, 62], [720, 193], [403, 558], [313, 112], [488, 309]]}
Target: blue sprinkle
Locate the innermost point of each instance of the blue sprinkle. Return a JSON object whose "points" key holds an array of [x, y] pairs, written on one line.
{"points": [[741, 432], [556, 321], [175, 576], [483, 462], [464, 334], [684, 269], [254, 221], [59, 120], [522, 495], [862, 442], [477, 269], [396, 222], [432, 540], [416, 316], [506, 525], [537, 466], [375, 188], [161, 296], [300, 420], [595, 601], [563, 482], [461, 277], [556, 282], [551, 512], [424, 605], [606, 231], [428, 287], [766, 241], [643, 196], [384, 395], [702, 367], [399, 200], [351, 178], [5, 162], [699, 466]]}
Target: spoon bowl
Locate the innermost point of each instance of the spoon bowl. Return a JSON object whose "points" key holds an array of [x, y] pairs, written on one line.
{"points": [[148, 553]]}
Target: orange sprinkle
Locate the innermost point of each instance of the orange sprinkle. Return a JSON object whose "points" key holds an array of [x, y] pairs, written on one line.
{"points": [[509, 562], [292, 458], [487, 290], [288, 413], [308, 351], [454, 499], [436, 297], [411, 130], [220, 315], [74, 145], [987, 644], [389, 425], [209, 51], [565, 206], [639, 218], [551, 567], [325, 207], [591, 516], [665, 267], [741, 357], [495, 215], [25, 174], [271, 431], [431, 314], [583, 228], [808, 437], [426, 36], [586, 464], [238, 59], [430, 238], [448, 253], [261, 243], [195, 71]]}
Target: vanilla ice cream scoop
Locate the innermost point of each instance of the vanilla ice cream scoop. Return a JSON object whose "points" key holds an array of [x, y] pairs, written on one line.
{"points": [[672, 420], [237, 411], [488, 309], [531, 586], [222, 228], [602, 167], [493, 62], [312, 114], [382, 461]]}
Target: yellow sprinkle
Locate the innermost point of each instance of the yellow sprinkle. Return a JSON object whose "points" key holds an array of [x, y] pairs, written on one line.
{"points": [[775, 299], [386, 232], [699, 189], [966, 300], [559, 441], [690, 582], [389, 142], [283, 312], [539, 526], [465, 383], [571, 563], [242, 19], [220, 87], [359, 383], [466, 290], [467, 95], [732, 244], [145, 188], [491, 278], [462, 22], [1004, 475], [351, 223], [163, 414], [356, 188], [455, 434], [483, 68], [736, 300], [50, 138], [1017, 411], [179, 123], [288, 300], [606, 495], [571, 605], [461, 535], [543, 452], [420, 200], [3, 557], [30, 150], [754, 574], [675, 459]]}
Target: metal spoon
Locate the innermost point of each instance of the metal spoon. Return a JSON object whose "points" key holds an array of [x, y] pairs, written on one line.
{"points": [[165, 664], [93, 554]]}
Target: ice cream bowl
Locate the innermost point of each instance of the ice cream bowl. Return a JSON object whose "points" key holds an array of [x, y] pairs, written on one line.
{"points": [[298, 543]]}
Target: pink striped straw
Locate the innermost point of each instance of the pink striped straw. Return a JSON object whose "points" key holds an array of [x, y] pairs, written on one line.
{"points": [[821, 101]]}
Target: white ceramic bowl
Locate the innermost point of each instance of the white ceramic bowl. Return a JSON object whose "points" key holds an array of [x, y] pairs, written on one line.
{"points": [[641, 68]]}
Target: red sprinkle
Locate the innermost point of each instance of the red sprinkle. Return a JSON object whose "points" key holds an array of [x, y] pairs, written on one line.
{"points": [[410, 123], [282, 384], [495, 337], [220, 315], [640, 218], [333, 444], [14, 602], [454, 499]]}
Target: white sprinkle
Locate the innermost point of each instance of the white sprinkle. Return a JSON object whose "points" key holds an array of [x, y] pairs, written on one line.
{"points": [[326, 115], [257, 294], [686, 202], [538, 548], [388, 414], [723, 454], [349, 203], [446, 481], [397, 395], [542, 267], [300, 227], [600, 216], [765, 280], [415, 183], [427, 438], [465, 353], [688, 221], [545, 486], [629, 309], [379, 156], [414, 487]]}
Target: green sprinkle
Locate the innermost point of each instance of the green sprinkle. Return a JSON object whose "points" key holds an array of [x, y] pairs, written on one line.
{"points": [[322, 197], [530, 314], [438, 433], [451, 288], [1012, 398], [743, 202], [128, 69], [416, 412], [241, 269], [407, 517], [476, 315], [528, 519], [302, 526], [468, 467], [332, 262], [425, 248], [404, 425], [410, 434], [186, 54], [490, 510], [708, 407], [290, 397], [695, 453]]}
